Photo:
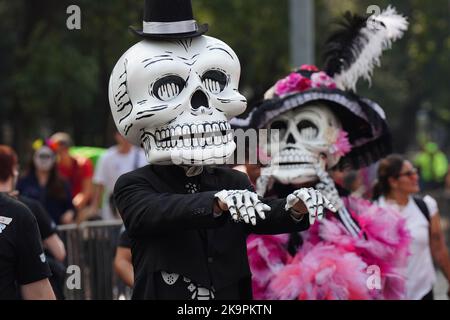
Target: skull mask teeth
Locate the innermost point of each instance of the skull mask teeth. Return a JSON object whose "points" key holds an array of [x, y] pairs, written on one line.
{"points": [[175, 99], [194, 135], [304, 135]]}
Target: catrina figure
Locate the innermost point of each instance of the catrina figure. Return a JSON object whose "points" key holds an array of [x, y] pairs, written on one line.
{"points": [[360, 251]]}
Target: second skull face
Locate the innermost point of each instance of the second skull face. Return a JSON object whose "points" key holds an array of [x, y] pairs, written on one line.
{"points": [[305, 134], [175, 99]]}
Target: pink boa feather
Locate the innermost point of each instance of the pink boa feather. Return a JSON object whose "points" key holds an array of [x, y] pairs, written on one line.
{"points": [[322, 272], [266, 255], [331, 264]]}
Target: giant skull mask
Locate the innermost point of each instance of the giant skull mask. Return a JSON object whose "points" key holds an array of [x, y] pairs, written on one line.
{"points": [[175, 99], [305, 135]]}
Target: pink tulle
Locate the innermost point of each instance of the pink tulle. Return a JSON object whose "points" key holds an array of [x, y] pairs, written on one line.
{"points": [[331, 264], [322, 272], [266, 256]]}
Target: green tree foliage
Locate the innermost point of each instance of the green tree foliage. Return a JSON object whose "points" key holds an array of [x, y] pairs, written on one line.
{"points": [[56, 78], [258, 30], [414, 75]]}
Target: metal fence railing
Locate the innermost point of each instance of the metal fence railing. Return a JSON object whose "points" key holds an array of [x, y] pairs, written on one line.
{"points": [[91, 246]]}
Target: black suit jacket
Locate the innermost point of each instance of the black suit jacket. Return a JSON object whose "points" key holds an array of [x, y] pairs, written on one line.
{"points": [[165, 224]]}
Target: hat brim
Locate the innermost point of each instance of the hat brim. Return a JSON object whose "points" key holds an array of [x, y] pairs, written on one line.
{"points": [[364, 120], [202, 29]]}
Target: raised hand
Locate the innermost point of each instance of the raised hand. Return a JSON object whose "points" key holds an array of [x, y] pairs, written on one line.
{"points": [[243, 205], [313, 200]]}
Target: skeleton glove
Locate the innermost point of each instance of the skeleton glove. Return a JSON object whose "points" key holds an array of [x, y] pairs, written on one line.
{"points": [[243, 205], [314, 201]]}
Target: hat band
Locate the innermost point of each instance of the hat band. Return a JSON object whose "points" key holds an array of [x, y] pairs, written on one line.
{"points": [[170, 27]]}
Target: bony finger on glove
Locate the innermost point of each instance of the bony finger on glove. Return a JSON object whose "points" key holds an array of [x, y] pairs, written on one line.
{"points": [[242, 205], [314, 201]]}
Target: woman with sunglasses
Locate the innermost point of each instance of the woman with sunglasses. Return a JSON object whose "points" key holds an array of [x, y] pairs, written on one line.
{"points": [[397, 185], [43, 183]]}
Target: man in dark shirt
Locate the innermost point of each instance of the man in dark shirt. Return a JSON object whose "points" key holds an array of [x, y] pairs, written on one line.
{"points": [[24, 271], [180, 248], [51, 242], [188, 222]]}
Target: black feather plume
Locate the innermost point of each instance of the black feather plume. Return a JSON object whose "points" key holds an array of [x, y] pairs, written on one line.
{"points": [[342, 47], [355, 49]]}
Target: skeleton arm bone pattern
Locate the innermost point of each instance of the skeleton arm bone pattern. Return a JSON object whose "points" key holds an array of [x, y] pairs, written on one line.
{"points": [[328, 188]]}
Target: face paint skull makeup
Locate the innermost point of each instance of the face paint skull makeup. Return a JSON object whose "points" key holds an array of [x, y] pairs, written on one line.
{"points": [[44, 158], [306, 134], [175, 99]]}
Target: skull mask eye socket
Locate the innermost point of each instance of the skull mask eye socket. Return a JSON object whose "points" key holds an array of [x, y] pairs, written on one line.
{"points": [[307, 130], [281, 126], [168, 87], [214, 81]]}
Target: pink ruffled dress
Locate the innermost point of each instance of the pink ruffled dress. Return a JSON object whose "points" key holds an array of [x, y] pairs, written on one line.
{"points": [[333, 265]]}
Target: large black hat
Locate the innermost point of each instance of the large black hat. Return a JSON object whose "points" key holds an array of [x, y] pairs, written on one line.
{"points": [[169, 19], [362, 119], [352, 52]]}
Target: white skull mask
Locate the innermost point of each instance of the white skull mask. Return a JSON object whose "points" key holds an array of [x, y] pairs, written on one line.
{"points": [[305, 134], [175, 99]]}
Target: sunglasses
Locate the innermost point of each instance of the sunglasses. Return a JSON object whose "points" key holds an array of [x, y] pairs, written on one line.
{"points": [[45, 156], [409, 173]]}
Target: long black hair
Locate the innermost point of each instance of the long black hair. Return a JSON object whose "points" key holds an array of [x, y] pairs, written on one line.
{"points": [[56, 187], [389, 167]]}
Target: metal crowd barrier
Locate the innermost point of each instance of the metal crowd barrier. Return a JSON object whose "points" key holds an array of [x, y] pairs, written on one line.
{"points": [[91, 246]]}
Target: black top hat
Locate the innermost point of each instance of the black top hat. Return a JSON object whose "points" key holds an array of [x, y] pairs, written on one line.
{"points": [[169, 19]]}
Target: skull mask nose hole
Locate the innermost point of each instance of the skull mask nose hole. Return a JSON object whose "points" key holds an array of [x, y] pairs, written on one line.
{"points": [[291, 139], [199, 99]]}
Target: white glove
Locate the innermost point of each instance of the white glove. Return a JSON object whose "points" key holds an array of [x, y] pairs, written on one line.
{"points": [[243, 205], [314, 201]]}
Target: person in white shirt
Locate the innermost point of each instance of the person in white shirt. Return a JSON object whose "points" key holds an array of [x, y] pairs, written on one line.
{"points": [[396, 187], [116, 161]]}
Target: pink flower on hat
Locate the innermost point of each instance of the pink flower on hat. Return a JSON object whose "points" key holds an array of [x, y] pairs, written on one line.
{"points": [[309, 67], [342, 145], [322, 80], [296, 83], [292, 83]]}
